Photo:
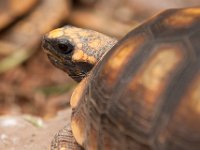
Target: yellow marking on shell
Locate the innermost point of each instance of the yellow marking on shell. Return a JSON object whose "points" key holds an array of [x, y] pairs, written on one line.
{"points": [[121, 56], [78, 92], [56, 33], [183, 18], [186, 113], [80, 56], [192, 11], [159, 67], [153, 76], [78, 129], [194, 95]]}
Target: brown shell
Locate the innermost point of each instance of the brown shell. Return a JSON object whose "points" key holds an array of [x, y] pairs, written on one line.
{"points": [[145, 93]]}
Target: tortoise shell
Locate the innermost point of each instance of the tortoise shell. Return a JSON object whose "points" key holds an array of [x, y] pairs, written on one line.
{"points": [[145, 93]]}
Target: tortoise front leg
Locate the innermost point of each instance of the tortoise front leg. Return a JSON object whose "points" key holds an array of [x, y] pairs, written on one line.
{"points": [[64, 140]]}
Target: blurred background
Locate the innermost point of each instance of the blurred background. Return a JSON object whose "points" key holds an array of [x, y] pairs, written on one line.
{"points": [[29, 84]]}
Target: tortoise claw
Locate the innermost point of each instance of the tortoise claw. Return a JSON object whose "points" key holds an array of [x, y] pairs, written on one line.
{"points": [[64, 140]]}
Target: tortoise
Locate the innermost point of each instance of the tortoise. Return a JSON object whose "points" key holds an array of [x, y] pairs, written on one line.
{"points": [[141, 92]]}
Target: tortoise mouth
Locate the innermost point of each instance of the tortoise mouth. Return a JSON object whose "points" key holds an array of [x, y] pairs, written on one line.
{"points": [[61, 63], [71, 68], [53, 59], [46, 44]]}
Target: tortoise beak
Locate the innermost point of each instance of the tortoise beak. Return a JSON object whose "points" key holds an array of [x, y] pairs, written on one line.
{"points": [[46, 43]]}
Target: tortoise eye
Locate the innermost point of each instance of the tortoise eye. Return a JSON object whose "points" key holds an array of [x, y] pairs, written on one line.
{"points": [[65, 48]]}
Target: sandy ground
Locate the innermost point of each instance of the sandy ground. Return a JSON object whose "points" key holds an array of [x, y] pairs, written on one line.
{"points": [[29, 133]]}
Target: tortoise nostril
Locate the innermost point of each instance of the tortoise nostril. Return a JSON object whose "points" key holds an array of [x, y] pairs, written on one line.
{"points": [[65, 48]]}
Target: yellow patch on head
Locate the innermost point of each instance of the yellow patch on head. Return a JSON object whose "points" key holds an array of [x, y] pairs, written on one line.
{"points": [[91, 59], [79, 45], [76, 32], [77, 56], [95, 44], [80, 56], [56, 33]]}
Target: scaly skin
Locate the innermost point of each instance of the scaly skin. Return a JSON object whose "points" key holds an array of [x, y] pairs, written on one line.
{"points": [[64, 140], [76, 50]]}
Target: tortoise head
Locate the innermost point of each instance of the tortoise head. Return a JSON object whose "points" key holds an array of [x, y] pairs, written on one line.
{"points": [[75, 50]]}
